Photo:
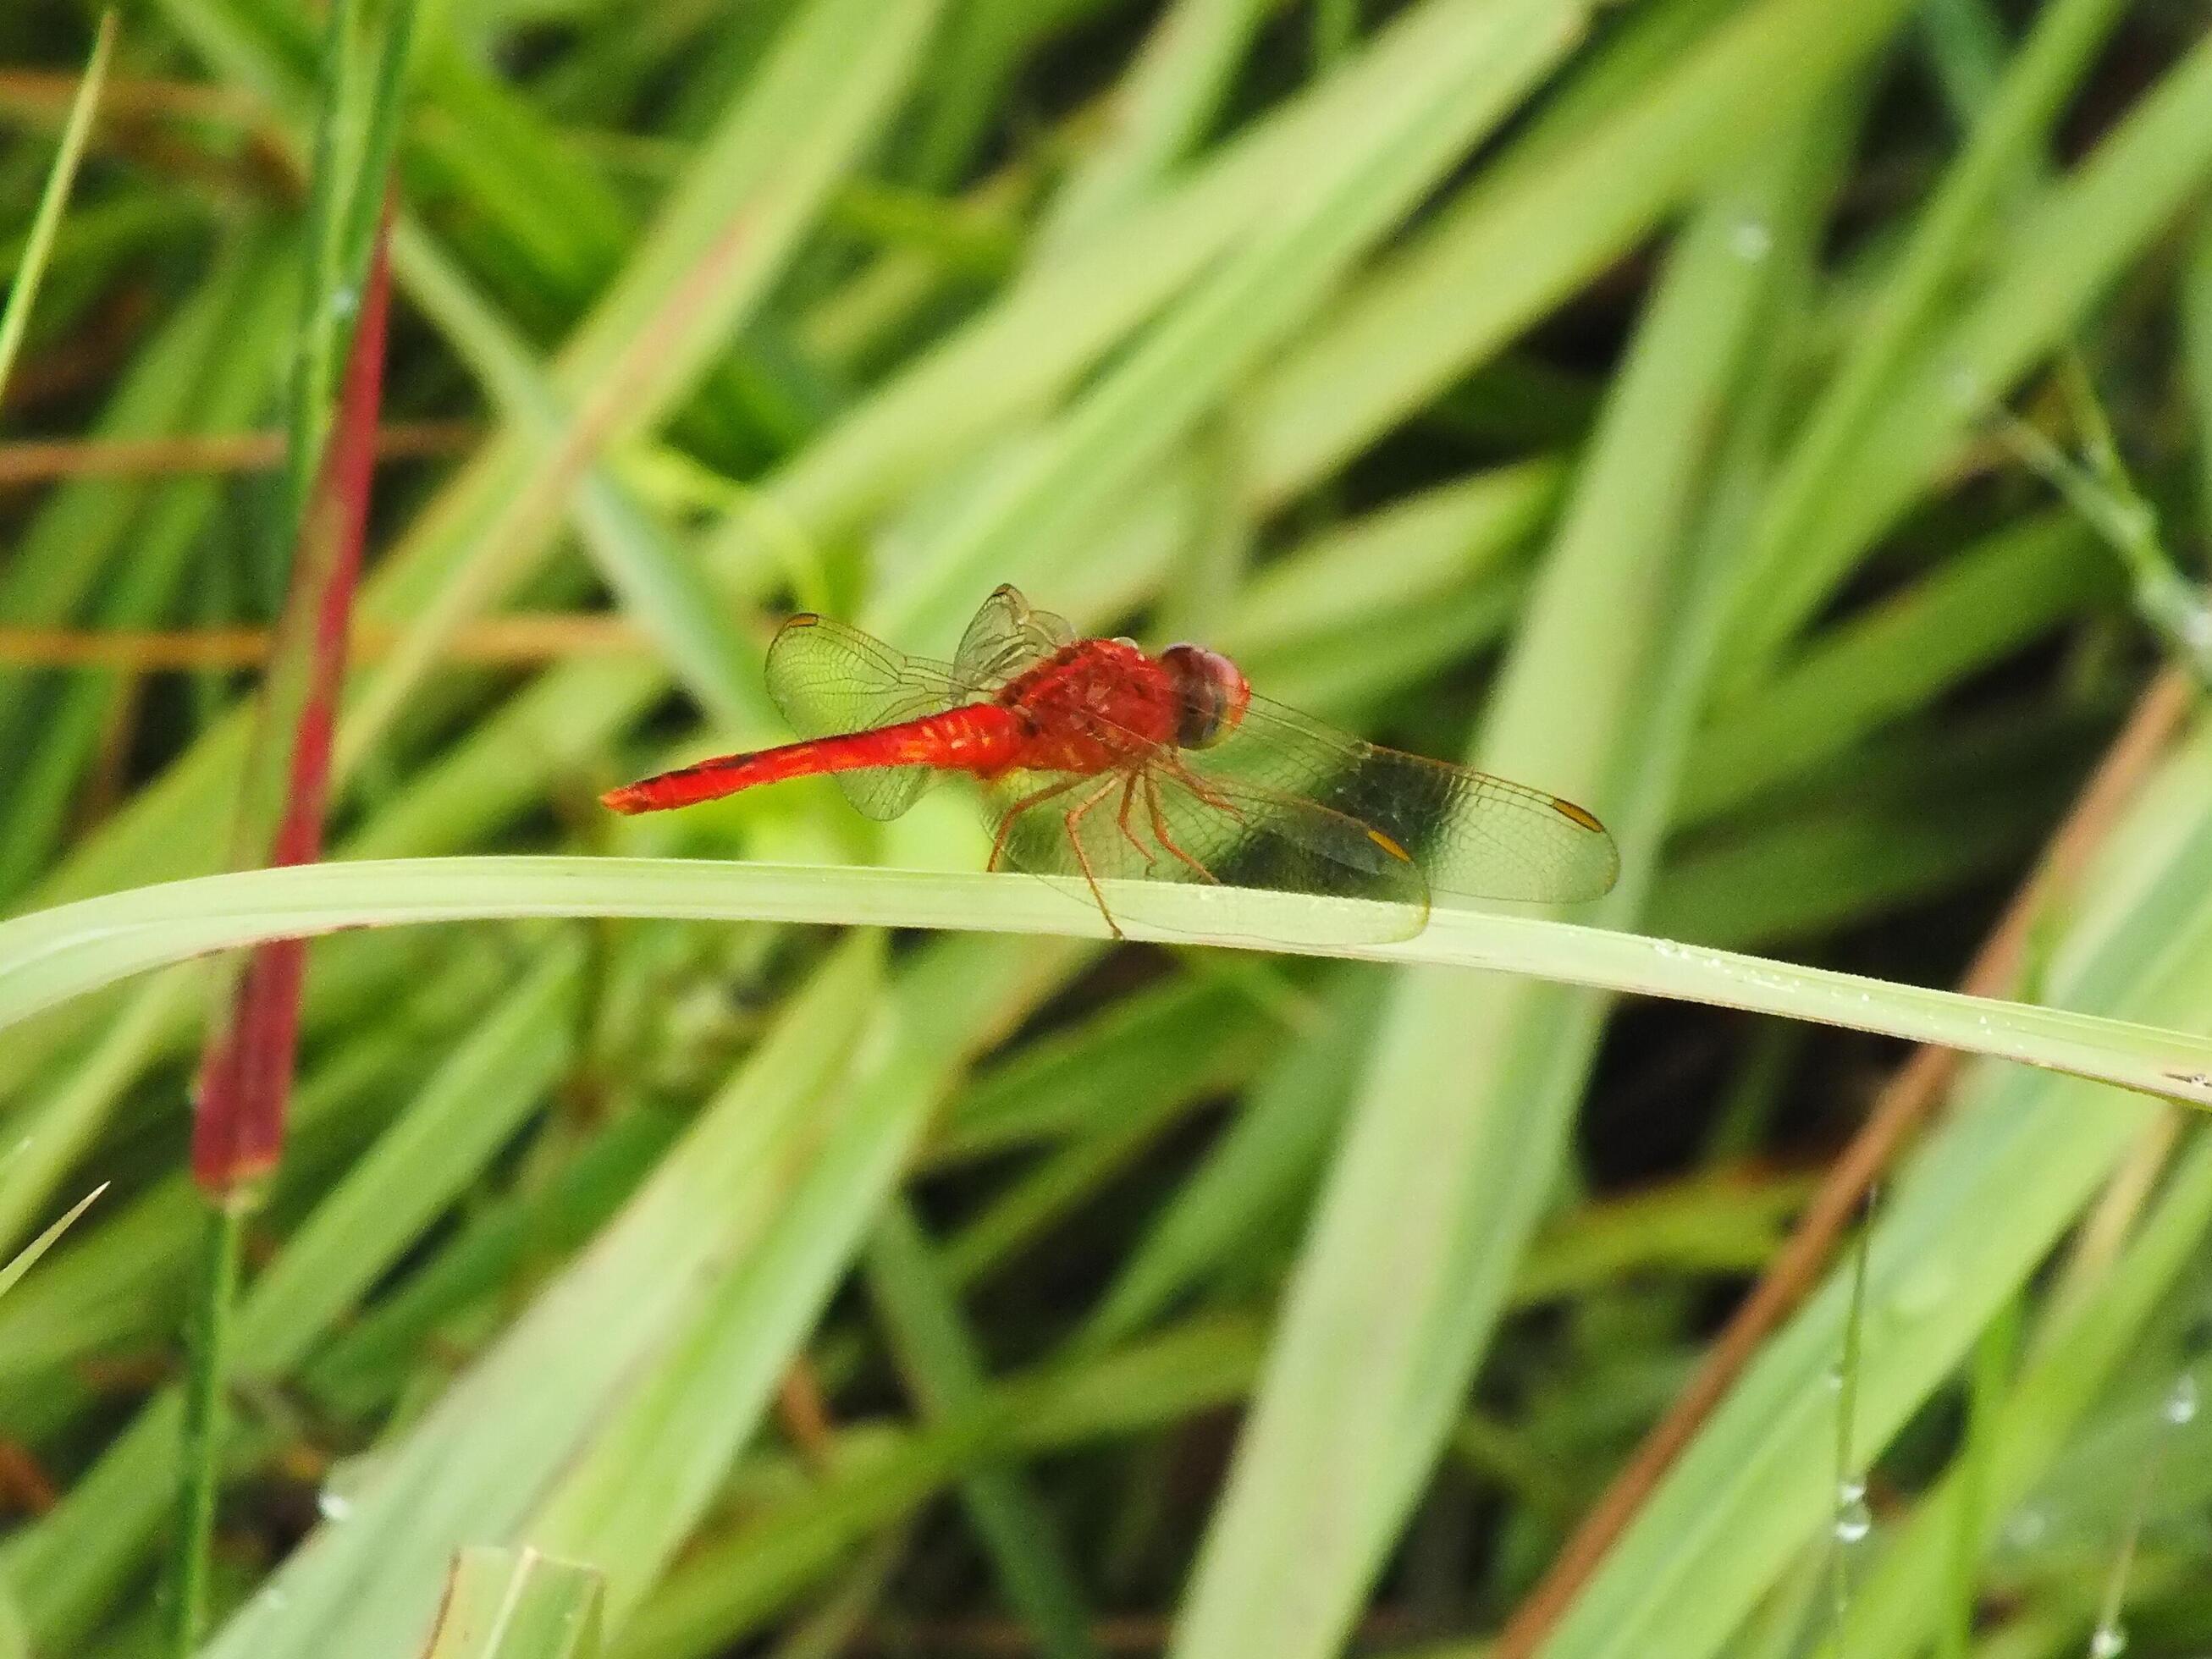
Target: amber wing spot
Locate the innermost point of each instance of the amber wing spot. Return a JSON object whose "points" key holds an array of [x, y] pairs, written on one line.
{"points": [[802, 619], [1392, 847], [1567, 809]]}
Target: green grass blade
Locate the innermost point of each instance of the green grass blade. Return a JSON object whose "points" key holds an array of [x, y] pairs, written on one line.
{"points": [[23, 292], [1502, 256], [1781, 585], [2076, 236], [49, 956], [651, 1471], [937, 1355], [1977, 607], [1252, 1180], [1221, 331], [480, 1463], [1460, 1120], [732, 224], [22, 1262], [517, 1604], [1975, 1211], [1161, 108]]}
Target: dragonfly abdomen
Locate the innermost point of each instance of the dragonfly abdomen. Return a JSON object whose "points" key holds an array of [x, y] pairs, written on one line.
{"points": [[980, 737]]}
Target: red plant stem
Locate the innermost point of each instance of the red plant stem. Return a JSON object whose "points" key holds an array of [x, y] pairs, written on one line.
{"points": [[246, 1081]]}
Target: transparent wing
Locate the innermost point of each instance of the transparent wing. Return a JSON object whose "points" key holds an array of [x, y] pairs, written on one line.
{"points": [[1006, 637], [1474, 835], [1153, 821], [830, 679]]}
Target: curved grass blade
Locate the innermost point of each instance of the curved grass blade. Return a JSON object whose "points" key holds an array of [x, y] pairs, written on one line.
{"points": [[52, 955]]}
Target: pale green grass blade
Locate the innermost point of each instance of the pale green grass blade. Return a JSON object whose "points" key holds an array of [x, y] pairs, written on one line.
{"points": [[2075, 237], [1411, 555], [23, 291], [1159, 111], [23, 1259], [937, 1355], [476, 1466], [234, 337], [1204, 1031], [655, 581], [1460, 1119], [727, 232], [882, 1473], [1501, 257], [653, 1470], [1974, 1214], [1255, 1173], [1034, 344], [1979, 607], [517, 1604], [1900, 1599], [1219, 333], [85, 1551], [1781, 584], [49, 956]]}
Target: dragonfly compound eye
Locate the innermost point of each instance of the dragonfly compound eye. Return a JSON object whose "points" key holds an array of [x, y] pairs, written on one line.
{"points": [[1211, 694]]}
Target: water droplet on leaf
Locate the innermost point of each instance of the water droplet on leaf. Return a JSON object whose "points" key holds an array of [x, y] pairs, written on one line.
{"points": [[2181, 1400], [1854, 1521]]}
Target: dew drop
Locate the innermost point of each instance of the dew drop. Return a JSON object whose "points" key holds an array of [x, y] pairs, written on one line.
{"points": [[2026, 1529], [1751, 241], [344, 302], [1834, 1379], [1854, 1520], [1965, 388], [333, 1506], [2107, 1641], [2181, 1400]]}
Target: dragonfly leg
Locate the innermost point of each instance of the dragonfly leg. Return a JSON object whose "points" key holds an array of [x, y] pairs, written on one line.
{"points": [[1130, 800], [1006, 818], [1160, 830], [1197, 787], [1073, 819]]}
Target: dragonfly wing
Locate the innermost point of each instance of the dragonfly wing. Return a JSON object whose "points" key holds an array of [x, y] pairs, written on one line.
{"points": [[1475, 835], [830, 679], [1155, 823], [1006, 637]]}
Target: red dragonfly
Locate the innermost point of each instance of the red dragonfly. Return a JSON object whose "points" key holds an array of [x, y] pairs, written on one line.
{"points": [[1100, 761]]}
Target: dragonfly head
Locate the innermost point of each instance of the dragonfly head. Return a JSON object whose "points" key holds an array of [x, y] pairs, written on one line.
{"points": [[1211, 694]]}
